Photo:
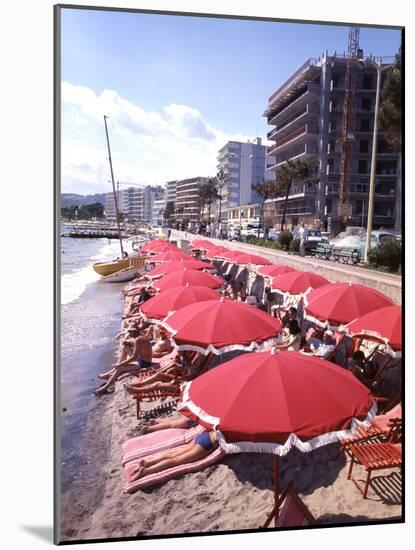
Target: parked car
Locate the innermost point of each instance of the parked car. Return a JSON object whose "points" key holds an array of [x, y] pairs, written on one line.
{"points": [[313, 238], [376, 237]]}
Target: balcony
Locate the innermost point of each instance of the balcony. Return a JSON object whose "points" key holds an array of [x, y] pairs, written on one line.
{"points": [[308, 112], [359, 185], [311, 94], [306, 151], [308, 132]]}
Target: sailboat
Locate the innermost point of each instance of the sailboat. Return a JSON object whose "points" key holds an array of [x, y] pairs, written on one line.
{"points": [[130, 267]]}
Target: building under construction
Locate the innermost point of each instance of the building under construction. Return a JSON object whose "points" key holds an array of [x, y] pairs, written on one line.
{"points": [[307, 113]]}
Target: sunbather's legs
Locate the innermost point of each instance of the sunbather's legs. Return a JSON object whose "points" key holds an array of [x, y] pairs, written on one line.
{"points": [[166, 424], [118, 372]]}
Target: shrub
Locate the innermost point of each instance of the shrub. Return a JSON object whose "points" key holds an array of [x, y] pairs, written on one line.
{"points": [[388, 254], [295, 245], [285, 238]]}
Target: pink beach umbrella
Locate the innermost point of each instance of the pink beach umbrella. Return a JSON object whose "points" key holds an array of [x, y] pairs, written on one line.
{"points": [[274, 270], [180, 278], [179, 265], [297, 282]]}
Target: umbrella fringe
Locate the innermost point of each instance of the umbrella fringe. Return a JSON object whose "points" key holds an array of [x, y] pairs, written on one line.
{"points": [[292, 440], [389, 350], [253, 346]]}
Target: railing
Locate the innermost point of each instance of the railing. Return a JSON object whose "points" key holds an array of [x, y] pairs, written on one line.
{"points": [[310, 88], [309, 149], [309, 63]]}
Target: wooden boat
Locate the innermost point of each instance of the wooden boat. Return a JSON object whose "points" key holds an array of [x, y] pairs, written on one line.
{"points": [[122, 276], [108, 268]]}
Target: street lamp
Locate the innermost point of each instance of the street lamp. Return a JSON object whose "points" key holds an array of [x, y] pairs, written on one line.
{"points": [[377, 64]]}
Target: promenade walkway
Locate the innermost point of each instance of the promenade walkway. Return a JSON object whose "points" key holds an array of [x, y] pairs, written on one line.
{"points": [[388, 283]]}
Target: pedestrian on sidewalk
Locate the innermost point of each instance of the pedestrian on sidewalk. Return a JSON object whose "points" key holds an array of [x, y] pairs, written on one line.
{"points": [[303, 233]]}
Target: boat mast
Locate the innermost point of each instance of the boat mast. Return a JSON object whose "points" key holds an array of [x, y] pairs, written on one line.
{"points": [[117, 216]]}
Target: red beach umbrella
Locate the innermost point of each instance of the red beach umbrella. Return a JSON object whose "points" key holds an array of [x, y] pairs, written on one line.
{"points": [[251, 259], [258, 403], [179, 265], [180, 278], [341, 303], [202, 244], [274, 270], [221, 326], [173, 299], [230, 255], [383, 324], [297, 282], [169, 256], [216, 252], [158, 245]]}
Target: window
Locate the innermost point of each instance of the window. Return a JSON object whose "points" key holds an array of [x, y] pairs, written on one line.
{"points": [[364, 146], [367, 103], [359, 206], [367, 81], [365, 125], [363, 165]]}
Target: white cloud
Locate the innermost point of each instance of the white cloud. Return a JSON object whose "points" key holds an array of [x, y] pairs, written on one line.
{"points": [[147, 147]]}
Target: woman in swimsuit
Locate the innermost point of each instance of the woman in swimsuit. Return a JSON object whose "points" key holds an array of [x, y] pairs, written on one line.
{"points": [[201, 447]]}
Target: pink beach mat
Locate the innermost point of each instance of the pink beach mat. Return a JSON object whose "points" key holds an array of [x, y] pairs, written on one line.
{"points": [[156, 442], [154, 479]]}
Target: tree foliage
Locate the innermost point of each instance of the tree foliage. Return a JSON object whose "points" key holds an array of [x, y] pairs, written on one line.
{"points": [[169, 211], [266, 189], [85, 212], [390, 110], [291, 172]]}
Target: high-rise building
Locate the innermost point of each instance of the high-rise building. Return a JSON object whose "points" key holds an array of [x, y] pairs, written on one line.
{"points": [[187, 199], [149, 194], [110, 204], [133, 203], [307, 112], [243, 164], [159, 206], [171, 191]]}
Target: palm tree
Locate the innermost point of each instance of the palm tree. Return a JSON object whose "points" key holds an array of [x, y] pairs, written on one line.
{"points": [[290, 172], [222, 180], [266, 189], [212, 194]]}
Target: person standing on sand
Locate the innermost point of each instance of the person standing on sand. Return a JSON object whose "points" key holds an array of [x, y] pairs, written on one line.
{"points": [[201, 447], [303, 233]]}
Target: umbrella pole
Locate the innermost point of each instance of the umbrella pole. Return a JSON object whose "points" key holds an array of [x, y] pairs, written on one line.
{"points": [[275, 511], [276, 488]]}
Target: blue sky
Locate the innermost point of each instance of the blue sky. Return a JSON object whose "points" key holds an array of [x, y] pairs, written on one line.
{"points": [[176, 88]]}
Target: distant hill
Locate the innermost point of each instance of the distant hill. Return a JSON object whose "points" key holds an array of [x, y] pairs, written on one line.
{"points": [[72, 199]]}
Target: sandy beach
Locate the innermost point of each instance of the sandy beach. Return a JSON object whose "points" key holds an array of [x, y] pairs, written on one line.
{"points": [[235, 494]]}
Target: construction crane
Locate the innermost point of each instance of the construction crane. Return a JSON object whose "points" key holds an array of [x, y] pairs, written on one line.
{"points": [[347, 135]]}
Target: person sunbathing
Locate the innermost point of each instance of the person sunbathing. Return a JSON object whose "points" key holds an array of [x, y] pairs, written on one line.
{"points": [[163, 383], [166, 423], [320, 348], [201, 447], [291, 341]]}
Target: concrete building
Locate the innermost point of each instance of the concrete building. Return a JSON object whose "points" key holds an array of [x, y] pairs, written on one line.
{"points": [[306, 112], [133, 203], [159, 206], [187, 199], [244, 164], [171, 191], [150, 192], [110, 204]]}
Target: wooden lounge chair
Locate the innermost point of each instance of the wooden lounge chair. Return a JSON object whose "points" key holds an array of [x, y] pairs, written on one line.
{"points": [[290, 511], [385, 428], [154, 394], [374, 456]]}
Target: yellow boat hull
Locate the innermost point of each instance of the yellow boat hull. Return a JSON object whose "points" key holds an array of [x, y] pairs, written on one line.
{"points": [[108, 268]]}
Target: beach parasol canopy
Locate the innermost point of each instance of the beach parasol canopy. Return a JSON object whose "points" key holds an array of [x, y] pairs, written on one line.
{"points": [[221, 326], [297, 282], [216, 252], [158, 245], [383, 324], [169, 256], [274, 270], [191, 276], [271, 402], [178, 265], [173, 299], [244, 258], [267, 402], [201, 244], [340, 303]]}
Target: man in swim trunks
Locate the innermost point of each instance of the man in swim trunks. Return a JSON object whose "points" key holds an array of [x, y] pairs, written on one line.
{"points": [[201, 447]]}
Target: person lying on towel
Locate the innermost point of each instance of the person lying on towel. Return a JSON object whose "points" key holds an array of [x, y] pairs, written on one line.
{"points": [[201, 447], [135, 356], [167, 423]]}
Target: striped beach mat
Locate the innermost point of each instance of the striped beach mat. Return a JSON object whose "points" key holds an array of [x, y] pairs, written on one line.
{"points": [[160, 477], [155, 442]]}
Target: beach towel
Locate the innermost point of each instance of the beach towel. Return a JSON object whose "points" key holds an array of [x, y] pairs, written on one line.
{"points": [[156, 442], [160, 477]]}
